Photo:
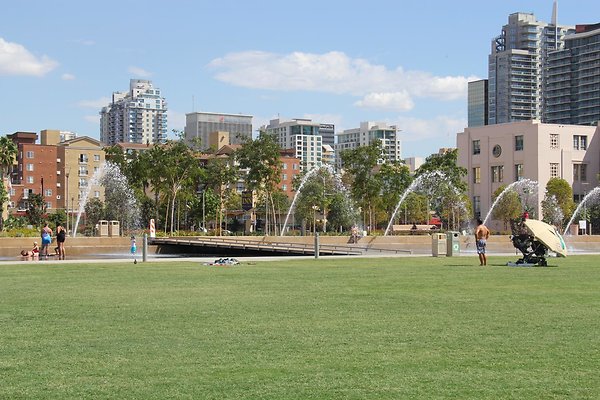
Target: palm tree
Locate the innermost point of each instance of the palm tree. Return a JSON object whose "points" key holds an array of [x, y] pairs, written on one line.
{"points": [[8, 154]]}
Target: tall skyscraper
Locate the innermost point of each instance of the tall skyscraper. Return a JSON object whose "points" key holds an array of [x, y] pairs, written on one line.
{"points": [[478, 103], [303, 136], [516, 67], [363, 136], [201, 124], [136, 116], [573, 79]]}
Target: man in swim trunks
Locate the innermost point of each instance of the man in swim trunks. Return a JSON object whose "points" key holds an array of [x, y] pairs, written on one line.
{"points": [[482, 233]]}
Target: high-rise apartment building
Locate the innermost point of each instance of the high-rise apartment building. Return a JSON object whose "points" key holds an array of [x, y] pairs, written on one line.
{"points": [[363, 136], [478, 103], [572, 93], [516, 67], [200, 125], [301, 135], [136, 116]]}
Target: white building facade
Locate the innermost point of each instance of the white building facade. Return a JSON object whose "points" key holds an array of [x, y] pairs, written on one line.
{"points": [[363, 136], [497, 155], [136, 116], [301, 135]]}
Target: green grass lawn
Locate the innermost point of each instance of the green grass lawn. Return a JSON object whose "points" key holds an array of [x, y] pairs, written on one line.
{"points": [[382, 328]]}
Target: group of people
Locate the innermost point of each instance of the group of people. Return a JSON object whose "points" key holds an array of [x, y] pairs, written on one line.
{"points": [[46, 239]]}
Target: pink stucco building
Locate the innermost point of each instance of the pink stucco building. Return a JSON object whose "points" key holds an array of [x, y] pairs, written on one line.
{"points": [[496, 155]]}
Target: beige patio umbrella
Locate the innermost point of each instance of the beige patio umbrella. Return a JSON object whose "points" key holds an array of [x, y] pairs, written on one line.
{"points": [[548, 235]]}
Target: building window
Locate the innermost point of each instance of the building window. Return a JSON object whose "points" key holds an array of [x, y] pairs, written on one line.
{"points": [[30, 179], [519, 143], [477, 206], [83, 158], [284, 177], [476, 147], [96, 194], [477, 175], [83, 171], [579, 142], [554, 141], [579, 172], [48, 192], [518, 172], [284, 187], [284, 165], [29, 154], [29, 167], [96, 157], [83, 182], [554, 170], [497, 173], [48, 204]]}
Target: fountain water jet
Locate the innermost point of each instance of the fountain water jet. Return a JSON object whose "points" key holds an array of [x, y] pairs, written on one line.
{"points": [[338, 183], [123, 202], [520, 184], [416, 184], [593, 195]]}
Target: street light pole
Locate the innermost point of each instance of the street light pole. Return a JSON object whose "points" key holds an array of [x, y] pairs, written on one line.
{"points": [[66, 200]]}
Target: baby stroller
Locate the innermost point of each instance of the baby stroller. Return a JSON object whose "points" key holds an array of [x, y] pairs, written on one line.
{"points": [[534, 239]]}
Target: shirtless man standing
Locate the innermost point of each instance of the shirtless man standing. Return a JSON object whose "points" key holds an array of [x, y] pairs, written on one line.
{"points": [[482, 233]]}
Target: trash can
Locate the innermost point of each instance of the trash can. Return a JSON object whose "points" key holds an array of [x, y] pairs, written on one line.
{"points": [[438, 244], [452, 244], [102, 228], [113, 228]]}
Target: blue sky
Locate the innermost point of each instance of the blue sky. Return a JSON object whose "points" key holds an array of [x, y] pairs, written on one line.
{"points": [[404, 63]]}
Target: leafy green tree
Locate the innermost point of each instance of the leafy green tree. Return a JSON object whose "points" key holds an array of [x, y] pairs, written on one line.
{"points": [[95, 211], [8, 154], [508, 208], [414, 209], [446, 163], [360, 168], [261, 159], [36, 210], [551, 211], [222, 176], [394, 178], [175, 168], [562, 191], [318, 191], [341, 215], [57, 217]]}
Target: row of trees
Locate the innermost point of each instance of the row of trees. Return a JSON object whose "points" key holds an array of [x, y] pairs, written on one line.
{"points": [[183, 188]]}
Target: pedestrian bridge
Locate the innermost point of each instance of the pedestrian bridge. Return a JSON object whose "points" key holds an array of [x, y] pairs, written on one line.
{"points": [[219, 245]]}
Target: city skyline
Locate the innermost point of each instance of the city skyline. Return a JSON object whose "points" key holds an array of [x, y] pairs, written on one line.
{"points": [[402, 64]]}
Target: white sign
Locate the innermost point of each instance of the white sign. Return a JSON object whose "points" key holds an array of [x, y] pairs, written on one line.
{"points": [[583, 224]]}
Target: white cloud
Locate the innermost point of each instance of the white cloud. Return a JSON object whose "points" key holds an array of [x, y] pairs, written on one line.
{"points": [[92, 118], [67, 77], [441, 127], [139, 72], [397, 101], [98, 103], [335, 72], [17, 60]]}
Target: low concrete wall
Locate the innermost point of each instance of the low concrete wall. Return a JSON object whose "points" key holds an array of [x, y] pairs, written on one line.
{"points": [[419, 244], [76, 246]]}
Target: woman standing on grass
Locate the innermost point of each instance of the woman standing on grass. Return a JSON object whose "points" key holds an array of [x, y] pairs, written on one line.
{"points": [[61, 236], [46, 239]]}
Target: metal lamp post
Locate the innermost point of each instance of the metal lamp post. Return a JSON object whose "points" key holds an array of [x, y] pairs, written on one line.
{"points": [[315, 208], [202, 189], [67, 201]]}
